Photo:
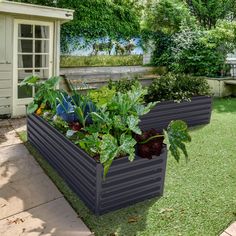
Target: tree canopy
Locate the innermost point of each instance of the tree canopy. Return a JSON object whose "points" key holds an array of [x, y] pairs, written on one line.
{"points": [[209, 11]]}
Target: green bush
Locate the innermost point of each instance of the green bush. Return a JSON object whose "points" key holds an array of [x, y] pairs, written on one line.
{"points": [[123, 85], [101, 60], [176, 87]]}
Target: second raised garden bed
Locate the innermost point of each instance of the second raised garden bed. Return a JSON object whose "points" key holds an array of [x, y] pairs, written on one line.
{"points": [[194, 112], [126, 182]]}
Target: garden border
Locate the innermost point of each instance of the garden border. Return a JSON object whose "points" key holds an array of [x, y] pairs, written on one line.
{"points": [[126, 182], [194, 112]]}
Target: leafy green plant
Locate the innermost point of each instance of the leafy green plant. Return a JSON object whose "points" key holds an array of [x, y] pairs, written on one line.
{"points": [[46, 93], [112, 133], [176, 87], [102, 95], [114, 124]]}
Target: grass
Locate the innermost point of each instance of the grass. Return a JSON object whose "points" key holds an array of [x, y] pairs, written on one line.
{"points": [[199, 198], [101, 60]]}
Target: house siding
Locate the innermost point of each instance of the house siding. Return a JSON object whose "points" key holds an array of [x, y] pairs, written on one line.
{"points": [[6, 57]]}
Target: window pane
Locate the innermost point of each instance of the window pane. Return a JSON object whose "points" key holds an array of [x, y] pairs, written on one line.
{"points": [[41, 31], [25, 31], [25, 61], [25, 45], [25, 91], [42, 46], [41, 61], [23, 74], [42, 73]]}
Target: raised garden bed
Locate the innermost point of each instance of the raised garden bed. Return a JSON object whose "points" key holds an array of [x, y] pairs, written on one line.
{"points": [[196, 112], [126, 182]]}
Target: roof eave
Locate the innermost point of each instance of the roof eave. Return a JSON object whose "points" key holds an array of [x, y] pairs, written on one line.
{"points": [[36, 10]]}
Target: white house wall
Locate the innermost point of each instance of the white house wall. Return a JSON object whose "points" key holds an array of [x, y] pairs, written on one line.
{"points": [[6, 68]]}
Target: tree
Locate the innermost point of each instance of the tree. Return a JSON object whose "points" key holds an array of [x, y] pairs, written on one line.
{"points": [[167, 16], [209, 11]]}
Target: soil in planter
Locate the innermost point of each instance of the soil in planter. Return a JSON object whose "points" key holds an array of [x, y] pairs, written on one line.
{"points": [[152, 147]]}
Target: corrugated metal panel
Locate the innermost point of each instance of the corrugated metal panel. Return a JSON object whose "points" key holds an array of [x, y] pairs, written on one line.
{"points": [[196, 112], [126, 183]]}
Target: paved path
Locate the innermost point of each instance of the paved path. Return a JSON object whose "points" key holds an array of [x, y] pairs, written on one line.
{"points": [[230, 231], [30, 204]]}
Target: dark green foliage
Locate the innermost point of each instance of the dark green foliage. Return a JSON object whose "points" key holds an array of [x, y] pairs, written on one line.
{"points": [[176, 87], [196, 39], [192, 55], [99, 18], [208, 12], [196, 52], [162, 53]]}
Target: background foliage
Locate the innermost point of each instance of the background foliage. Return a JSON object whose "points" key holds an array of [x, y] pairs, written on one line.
{"points": [[191, 36]]}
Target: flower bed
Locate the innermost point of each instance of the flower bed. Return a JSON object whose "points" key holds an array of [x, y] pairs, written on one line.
{"points": [[126, 182]]}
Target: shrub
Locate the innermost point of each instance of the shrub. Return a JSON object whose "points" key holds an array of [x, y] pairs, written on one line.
{"points": [[176, 87], [123, 85]]}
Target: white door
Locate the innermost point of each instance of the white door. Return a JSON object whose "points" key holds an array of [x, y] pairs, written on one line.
{"points": [[33, 53]]}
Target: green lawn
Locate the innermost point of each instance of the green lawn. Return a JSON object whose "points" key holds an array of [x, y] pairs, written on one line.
{"points": [[199, 198]]}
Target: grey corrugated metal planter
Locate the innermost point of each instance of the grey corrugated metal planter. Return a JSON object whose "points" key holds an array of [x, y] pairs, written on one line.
{"points": [[126, 182], [196, 112]]}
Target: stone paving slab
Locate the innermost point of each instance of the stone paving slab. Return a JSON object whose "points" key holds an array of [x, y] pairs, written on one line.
{"points": [[8, 135], [53, 218], [30, 204], [16, 164], [232, 229], [24, 194], [225, 234], [18, 124], [14, 153]]}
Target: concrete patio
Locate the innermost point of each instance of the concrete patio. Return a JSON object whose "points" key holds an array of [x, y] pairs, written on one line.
{"points": [[30, 204]]}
